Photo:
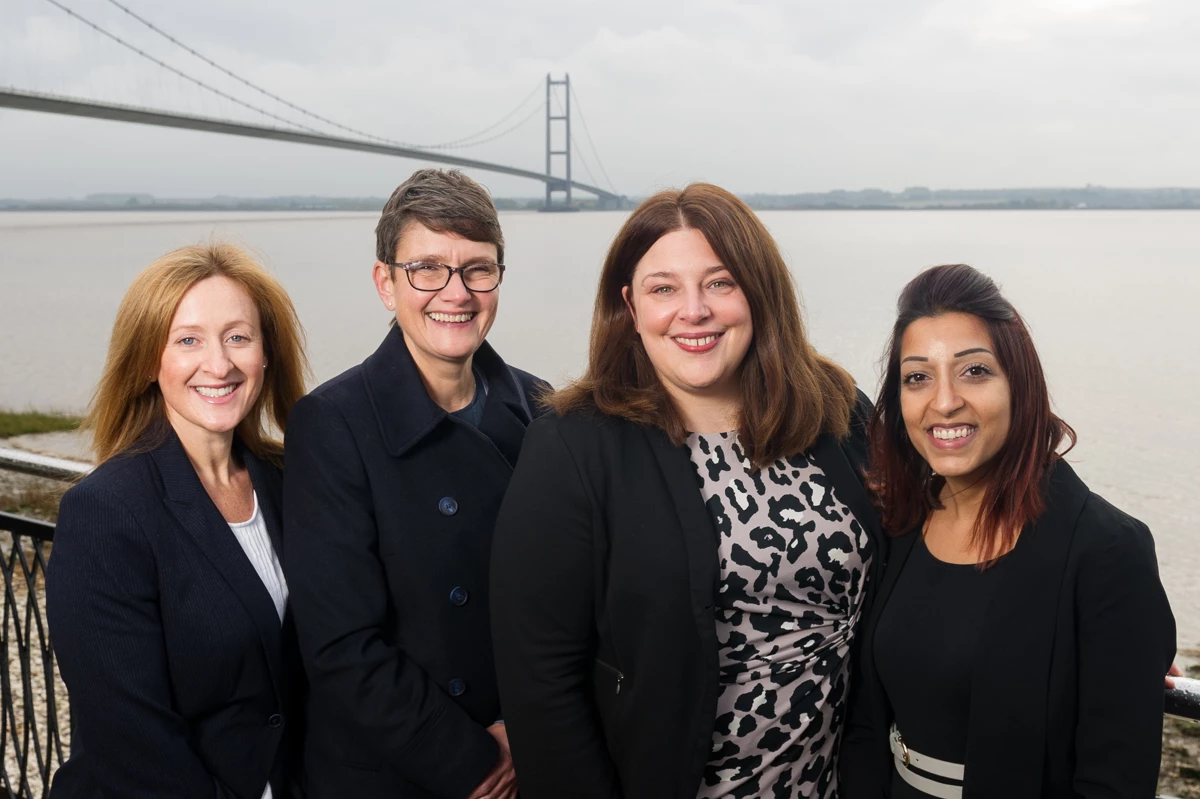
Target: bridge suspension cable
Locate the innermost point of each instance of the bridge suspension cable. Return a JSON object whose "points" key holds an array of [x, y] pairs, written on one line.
{"points": [[294, 131], [461, 143], [245, 82], [465, 141], [178, 72]]}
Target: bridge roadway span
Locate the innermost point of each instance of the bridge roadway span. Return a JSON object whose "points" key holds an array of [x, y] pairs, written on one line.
{"points": [[30, 101]]}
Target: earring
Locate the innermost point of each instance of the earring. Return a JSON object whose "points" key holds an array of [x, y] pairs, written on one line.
{"points": [[389, 306], [264, 364]]}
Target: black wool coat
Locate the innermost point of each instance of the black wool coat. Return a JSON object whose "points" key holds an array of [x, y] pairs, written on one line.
{"points": [[604, 579], [182, 680], [389, 504], [1067, 694]]}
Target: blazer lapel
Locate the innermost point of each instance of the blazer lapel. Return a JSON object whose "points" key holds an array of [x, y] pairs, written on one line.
{"points": [[191, 506], [700, 541], [900, 548], [270, 495], [1006, 739]]}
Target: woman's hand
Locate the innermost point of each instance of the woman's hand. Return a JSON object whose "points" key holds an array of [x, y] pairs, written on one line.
{"points": [[501, 781], [1174, 671]]}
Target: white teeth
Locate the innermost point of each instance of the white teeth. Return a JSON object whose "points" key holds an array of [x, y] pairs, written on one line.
{"points": [[224, 391], [451, 317], [696, 342], [949, 434]]}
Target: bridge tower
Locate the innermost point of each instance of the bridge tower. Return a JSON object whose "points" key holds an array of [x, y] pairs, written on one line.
{"points": [[558, 92]]}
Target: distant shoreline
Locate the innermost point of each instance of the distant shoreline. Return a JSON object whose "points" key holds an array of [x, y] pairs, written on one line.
{"points": [[915, 198]]}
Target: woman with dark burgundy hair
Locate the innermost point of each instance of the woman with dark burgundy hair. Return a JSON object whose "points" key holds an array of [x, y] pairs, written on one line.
{"points": [[1017, 642]]}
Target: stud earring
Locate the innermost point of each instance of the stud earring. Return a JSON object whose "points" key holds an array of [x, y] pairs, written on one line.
{"points": [[264, 364], [389, 306]]}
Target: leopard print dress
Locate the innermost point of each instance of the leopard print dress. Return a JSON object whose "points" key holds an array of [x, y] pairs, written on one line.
{"points": [[793, 567]]}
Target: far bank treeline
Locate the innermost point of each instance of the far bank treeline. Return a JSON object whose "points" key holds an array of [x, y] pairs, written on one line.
{"points": [[912, 198]]}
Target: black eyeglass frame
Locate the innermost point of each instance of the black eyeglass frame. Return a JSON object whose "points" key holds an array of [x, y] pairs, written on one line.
{"points": [[451, 270]]}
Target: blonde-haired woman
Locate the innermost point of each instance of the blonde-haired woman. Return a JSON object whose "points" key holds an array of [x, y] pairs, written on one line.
{"points": [[166, 598]]}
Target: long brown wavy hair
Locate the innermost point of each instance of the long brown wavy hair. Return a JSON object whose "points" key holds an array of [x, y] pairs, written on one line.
{"points": [[128, 404], [902, 482], [789, 393]]}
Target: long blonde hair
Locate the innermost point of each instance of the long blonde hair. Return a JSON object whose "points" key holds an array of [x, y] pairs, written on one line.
{"points": [[128, 403]]}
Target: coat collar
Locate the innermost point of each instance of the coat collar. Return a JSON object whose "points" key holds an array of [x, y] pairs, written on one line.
{"points": [[406, 413], [191, 506]]}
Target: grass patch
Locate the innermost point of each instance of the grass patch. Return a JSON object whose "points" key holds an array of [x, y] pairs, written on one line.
{"points": [[14, 423], [37, 502]]}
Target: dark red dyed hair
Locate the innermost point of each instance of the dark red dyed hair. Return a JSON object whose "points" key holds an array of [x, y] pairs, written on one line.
{"points": [[902, 483]]}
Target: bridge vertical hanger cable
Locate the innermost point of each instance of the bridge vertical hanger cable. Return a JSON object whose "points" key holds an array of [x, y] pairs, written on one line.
{"points": [[592, 144]]}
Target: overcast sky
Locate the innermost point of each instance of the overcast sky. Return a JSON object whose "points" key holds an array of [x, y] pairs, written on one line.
{"points": [[805, 95]]}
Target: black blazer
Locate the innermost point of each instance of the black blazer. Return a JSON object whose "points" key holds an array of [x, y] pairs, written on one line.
{"points": [[182, 681], [604, 578], [1067, 697], [389, 504]]}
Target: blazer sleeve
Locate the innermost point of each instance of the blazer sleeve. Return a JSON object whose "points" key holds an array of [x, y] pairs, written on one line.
{"points": [[864, 765], [102, 603], [543, 625], [1126, 638], [340, 598]]}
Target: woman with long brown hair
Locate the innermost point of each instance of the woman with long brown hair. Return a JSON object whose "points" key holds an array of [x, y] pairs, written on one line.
{"points": [[1017, 642], [681, 557], [165, 593]]}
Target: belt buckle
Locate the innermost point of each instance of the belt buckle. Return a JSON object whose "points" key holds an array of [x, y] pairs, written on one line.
{"points": [[903, 748]]}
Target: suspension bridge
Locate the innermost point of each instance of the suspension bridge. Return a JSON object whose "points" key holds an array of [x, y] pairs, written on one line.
{"points": [[284, 123]]}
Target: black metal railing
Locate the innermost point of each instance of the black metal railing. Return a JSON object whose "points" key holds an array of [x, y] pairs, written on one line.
{"points": [[35, 717]]}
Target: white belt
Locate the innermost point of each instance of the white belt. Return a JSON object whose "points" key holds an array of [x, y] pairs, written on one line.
{"points": [[906, 759]]}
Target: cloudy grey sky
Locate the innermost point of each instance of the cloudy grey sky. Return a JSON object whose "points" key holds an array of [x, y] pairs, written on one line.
{"points": [[806, 95]]}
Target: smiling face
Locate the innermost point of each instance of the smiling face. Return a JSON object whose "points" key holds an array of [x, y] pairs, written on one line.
{"points": [[447, 325], [693, 319], [211, 371], [955, 399]]}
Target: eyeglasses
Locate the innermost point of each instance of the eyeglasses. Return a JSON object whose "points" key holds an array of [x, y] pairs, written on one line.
{"points": [[432, 276]]}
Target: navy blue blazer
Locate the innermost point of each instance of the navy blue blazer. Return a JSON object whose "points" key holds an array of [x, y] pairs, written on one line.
{"points": [[183, 682]]}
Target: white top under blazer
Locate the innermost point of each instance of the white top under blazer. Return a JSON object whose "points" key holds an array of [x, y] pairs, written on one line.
{"points": [[256, 543]]}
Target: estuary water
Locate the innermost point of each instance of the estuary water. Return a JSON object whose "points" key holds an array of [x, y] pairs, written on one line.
{"points": [[1111, 298]]}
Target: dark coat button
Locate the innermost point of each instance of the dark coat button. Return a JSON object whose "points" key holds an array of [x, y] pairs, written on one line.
{"points": [[457, 687], [459, 596], [448, 506], [275, 721]]}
